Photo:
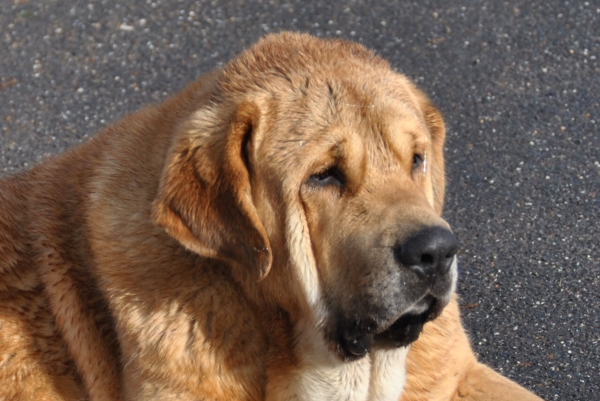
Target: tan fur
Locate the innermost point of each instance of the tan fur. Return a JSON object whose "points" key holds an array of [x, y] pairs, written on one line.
{"points": [[182, 254], [441, 367]]}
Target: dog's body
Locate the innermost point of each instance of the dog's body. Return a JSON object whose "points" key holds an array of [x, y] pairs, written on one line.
{"points": [[271, 232]]}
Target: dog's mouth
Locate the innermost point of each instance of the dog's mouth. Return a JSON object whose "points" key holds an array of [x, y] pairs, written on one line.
{"points": [[355, 344], [407, 329]]}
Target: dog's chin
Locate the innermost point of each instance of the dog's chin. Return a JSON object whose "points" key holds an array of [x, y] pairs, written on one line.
{"points": [[401, 333]]}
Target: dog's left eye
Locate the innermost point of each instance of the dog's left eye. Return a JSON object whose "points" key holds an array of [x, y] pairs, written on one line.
{"points": [[331, 176]]}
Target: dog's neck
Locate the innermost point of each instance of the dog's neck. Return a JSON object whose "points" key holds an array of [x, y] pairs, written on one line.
{"points": [[321, 375]]}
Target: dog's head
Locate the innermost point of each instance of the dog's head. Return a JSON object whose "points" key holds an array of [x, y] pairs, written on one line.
{"points": [[319, 170]]}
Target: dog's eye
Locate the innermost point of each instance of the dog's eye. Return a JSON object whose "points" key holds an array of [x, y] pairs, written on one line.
{"points": [[331, 176], [418, 162]]}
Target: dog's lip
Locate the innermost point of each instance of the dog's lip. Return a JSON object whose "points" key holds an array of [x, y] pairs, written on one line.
{"points": [[358, 341], [407, 329], [427, 308]]}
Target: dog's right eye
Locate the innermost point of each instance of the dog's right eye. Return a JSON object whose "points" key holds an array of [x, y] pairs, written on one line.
{"points": [[418, 162], [331, 176]]}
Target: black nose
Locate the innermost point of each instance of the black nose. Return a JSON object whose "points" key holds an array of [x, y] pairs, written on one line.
{"points": [[429, 252]]}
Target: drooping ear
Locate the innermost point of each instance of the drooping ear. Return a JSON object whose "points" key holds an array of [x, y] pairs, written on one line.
{"points": [[437, 130], [204, 199]]}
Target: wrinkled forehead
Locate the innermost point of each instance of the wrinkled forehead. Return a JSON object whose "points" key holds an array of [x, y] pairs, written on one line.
{"points": [[373, 117]]}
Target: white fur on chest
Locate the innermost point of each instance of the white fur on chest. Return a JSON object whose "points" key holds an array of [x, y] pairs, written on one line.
{"points": [[380, 376], [388, 374]]}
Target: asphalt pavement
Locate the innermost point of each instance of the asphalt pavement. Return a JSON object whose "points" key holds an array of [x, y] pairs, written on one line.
{"points": [[517, 81]]}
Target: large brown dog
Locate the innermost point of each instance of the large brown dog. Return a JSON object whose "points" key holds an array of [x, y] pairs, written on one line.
{"points": [[271, 232]]}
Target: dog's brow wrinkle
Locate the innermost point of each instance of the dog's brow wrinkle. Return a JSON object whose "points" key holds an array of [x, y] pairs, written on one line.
{"points": [[330, 88], [371, 106], [210, 317], [280, 72], [192, 333]]}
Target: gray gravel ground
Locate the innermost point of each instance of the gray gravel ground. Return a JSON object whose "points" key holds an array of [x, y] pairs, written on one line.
{"points": [[518, 82]]}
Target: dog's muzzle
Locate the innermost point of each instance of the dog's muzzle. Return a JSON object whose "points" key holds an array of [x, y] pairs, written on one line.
{"points": [[431, 255]]}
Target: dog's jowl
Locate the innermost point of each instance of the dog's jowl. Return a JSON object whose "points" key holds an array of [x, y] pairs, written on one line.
{"points": [[273, 231]]}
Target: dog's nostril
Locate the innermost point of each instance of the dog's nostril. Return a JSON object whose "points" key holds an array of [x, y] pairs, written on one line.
{"points": [[429, 252], [427, 259]]}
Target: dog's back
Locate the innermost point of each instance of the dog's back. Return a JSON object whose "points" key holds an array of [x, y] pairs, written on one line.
{"points": [[53, 315], [35, 362], [57, 334]]}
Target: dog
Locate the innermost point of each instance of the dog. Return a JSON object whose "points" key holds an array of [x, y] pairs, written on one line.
{"points": [[271, 232]]}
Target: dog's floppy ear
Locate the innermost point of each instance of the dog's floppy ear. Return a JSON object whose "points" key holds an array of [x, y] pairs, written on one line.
{"points": [[204, 199], [437, 130]]}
